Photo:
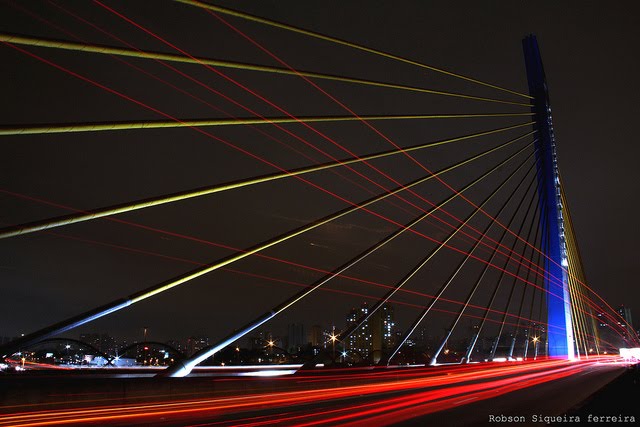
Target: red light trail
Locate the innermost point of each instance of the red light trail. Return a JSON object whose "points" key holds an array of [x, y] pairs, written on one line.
{"points": [[372, 398]]}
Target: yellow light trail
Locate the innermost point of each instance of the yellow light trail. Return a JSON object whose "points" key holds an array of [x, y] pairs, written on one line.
{"points": [[109, 50], [203, 191], [352, 45]]}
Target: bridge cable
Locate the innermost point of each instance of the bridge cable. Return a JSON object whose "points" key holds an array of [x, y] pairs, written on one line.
{"points": [[320, 36], [485, 315], [180, 90], [183, 278], [98, 2], [39, 129], [541, 306], [155, 110], [580, 266], [530, 231], [543, 244], [578, 320], [473, 289], [383, 300], [18, 39], [324, 136], [136, 49], [142, 28], [541, 221], [576, 262], [268, 278], [81, 216], [115, 92], [409, 331], [203, 354], [273, 56], [576, 265]]}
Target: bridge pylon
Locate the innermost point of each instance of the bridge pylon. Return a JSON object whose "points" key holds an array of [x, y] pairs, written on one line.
{"points": [[560, 340]]}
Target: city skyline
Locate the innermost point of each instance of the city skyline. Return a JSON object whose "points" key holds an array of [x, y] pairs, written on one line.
{"points": [[368, 344]]}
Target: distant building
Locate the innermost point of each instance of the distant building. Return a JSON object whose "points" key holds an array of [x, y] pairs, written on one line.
{"points": [[602, 320], [195, 344], [265, 339], [315, 336], [612, 332], [177, 345], [421, 338], [382, 337], [625, 313], [296, 338], [360, 340], [376, 335], [626, 322], [103, 342]]}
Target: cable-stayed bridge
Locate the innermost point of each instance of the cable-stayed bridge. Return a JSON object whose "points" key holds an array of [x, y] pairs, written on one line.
{"points": [[235, 189]]}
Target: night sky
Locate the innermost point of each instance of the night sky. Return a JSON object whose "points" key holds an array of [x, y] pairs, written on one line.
{"points": [[589, 53]]}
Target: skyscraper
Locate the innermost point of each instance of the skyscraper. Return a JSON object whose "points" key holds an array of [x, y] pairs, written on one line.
{"points": [[360, 340], [315, 336], [296, 338], [375, 336], [626, 323], [625, 313]]}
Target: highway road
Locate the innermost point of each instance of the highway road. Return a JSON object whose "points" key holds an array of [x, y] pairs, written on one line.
{"points": [[445, 395]]}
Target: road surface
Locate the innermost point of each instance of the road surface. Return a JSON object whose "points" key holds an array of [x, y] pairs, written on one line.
{"points": [[445, 395]]}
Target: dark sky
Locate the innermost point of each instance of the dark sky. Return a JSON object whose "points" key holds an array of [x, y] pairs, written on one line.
{"points": [[589, 55]]}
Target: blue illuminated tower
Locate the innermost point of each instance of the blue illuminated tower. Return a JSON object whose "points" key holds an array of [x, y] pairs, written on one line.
{"points": [[559, 328]]}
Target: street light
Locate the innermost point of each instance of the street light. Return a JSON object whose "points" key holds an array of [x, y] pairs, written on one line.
{"points": [[333, 337], [270, 344], [535, 347]]}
